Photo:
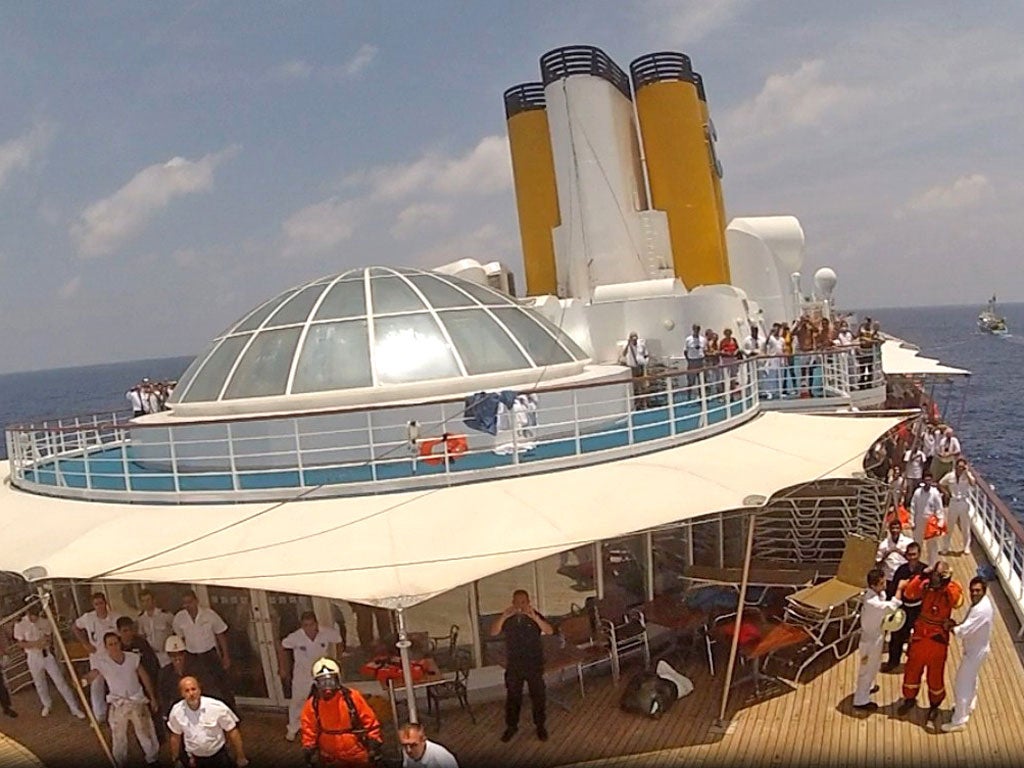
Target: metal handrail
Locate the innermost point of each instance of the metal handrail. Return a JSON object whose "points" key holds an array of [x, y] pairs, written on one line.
{"points": [[1001, 536]]}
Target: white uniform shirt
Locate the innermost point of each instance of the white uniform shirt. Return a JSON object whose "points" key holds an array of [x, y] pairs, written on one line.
{"points": [[28, 631], [976, 629], [156, 628], [96, 628], [635, 355], [926, 502], [871, 615], [890, 553], [775, 345], [434, 756], [751, 347], [202, 729], [122, 679], [959, 490], [307, 651], [694, 347], [914, 460], [135, 398], [928, 443], [200, 635], [947, 447]]}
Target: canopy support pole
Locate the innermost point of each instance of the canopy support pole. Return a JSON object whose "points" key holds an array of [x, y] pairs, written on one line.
{"points": [[403, 651], [44, 600], [740, 605]]}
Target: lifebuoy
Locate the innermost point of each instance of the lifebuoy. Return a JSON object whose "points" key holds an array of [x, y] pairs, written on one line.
{"points": [[453, 445]]}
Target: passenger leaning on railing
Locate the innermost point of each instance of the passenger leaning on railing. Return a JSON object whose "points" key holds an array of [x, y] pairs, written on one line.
{"points": [[635, 356], [728, 352]]}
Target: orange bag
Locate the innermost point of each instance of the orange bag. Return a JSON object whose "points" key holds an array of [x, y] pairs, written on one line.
{"points": [[934, 528]]}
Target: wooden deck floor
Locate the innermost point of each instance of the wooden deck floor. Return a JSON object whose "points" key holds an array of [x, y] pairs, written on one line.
{"points": [[812, 725]]}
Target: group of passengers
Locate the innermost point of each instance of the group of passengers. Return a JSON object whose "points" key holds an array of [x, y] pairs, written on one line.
{"points": [[790, 357], [149, 396]]}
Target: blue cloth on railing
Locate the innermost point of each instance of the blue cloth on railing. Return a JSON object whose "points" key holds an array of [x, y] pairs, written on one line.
{"points": [[712, 598], [481, 410]]}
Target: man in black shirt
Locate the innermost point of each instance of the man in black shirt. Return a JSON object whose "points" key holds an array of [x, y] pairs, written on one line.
{"points": [[912, 608], [522, 628]]}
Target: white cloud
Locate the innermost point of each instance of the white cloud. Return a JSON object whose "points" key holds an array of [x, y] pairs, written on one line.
{"points": [[107, 224], [300, 69], [486, 243], [966, 192], [804, 98], [485, 169], [297, 69], [414, 218], [695, 19], [362, 59], [70, 288], [321, 226], [19, 153]]}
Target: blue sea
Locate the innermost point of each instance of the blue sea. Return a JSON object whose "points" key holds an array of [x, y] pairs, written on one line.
{"points": [[983, 409]]}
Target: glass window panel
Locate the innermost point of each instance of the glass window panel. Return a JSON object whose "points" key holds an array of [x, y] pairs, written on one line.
{"points": [[209, 381], [484, 345], [393, 294], [562, 336], [540, 344], [186, 378], [345, 299], [440, 293], [411, 348], [625, 570], [565, 581], [253, 321], [334, 356], [482, 294], [297, 308], [264, 368], [671, 558]]}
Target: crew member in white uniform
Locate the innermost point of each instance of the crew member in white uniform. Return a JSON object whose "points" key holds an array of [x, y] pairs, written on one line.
{"points": [[958, 484], [206, 640], [90, 628], [35, 636], [974, 633], [205, 726], [132, 698], [307, 643], [774, 350], [418, 750], [155, 624], [925, 503], [892, 553], [872, 638]]}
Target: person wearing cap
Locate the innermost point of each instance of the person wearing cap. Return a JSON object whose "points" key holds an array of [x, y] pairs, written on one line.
{"points": [[204, 726], [307, 643], [872, 637], [182, 665], [35, 636], [337, 723]]}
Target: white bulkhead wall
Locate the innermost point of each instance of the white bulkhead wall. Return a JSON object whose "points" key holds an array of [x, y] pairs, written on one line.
{"points": [[764, 252], [606, 235]]}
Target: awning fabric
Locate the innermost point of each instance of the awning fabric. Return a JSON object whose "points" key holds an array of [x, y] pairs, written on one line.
{"points": [[398, 549], [907, 361]]}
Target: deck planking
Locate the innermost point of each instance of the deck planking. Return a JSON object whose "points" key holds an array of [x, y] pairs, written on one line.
{"points": [[812, 725]]}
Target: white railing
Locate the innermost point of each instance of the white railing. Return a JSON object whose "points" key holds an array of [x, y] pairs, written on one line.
{"points": [[1001, 536], [348, 452]]}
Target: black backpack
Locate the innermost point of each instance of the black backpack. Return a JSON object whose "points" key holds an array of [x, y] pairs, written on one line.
{"points": [[649, 695]]}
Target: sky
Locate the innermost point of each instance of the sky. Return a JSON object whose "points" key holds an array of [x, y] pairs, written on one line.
{"points": [[164, 167]]}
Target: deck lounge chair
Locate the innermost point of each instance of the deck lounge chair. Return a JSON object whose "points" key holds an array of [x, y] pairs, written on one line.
{"points": [[829, 612]]}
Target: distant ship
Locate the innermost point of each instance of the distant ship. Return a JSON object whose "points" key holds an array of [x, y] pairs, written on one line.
{"points": [[991, 321]]}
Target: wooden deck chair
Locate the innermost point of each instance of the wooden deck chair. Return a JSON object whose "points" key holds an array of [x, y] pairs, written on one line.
{"points": [[829, 612]]}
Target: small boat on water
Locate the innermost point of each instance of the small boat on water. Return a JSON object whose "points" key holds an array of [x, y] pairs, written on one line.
{"points": [[991, 321]]}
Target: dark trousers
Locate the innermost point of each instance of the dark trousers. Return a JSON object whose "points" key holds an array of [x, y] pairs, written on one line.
{"points": [[897, 639], [209, 662], [514, 679], [5, 696], [219, 760]]}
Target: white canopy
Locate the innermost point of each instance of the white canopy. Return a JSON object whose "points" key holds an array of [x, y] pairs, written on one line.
{"points": [[399, 549], [905, 360]]}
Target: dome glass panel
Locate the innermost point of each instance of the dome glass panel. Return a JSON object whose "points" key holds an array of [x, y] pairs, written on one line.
{"points": [[417, 326], [346, 298], [264, 368], [412, 348], [334, 356]]}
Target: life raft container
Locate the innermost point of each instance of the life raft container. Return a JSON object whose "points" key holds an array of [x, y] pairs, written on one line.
{"points": [[452, 446]]}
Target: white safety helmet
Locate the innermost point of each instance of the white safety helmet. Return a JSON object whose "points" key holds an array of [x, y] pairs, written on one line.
{"points": [[326, 675], [893, 622], [174, 644]]}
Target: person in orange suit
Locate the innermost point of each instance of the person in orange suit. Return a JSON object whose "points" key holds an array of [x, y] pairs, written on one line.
{"points": [[338, 726], [929, 641]]}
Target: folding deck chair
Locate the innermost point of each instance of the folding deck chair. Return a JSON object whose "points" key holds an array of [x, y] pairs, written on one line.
{"points": [[829, 612]]}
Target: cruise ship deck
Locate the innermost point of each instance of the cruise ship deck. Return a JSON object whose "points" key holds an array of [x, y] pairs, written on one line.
{"points": [[811, 725]]}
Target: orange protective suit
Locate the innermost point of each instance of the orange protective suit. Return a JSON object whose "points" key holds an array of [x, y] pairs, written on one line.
{"points": [[327, 727], [929, 641]]}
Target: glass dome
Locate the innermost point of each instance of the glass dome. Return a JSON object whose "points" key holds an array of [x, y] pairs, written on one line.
{"points": [[372, 328]]}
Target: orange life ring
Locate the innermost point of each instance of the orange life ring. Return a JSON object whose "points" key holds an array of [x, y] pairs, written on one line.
{"points": [[454, 445]]}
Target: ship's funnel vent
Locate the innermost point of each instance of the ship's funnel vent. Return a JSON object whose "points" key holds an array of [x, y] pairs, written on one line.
{"points": [[658, 67], [523, 98], [582, 60], [699, 82]]}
